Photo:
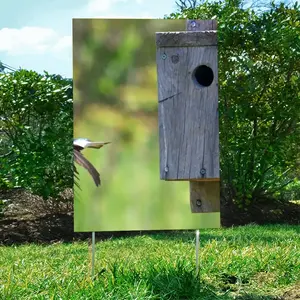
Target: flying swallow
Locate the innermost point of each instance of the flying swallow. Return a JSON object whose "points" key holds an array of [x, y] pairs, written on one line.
{"points": [[80, 144]]}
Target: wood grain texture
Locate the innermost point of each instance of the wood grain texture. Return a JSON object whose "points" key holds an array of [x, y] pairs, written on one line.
{"points": [[186, 39], [188, 114], [197, 180], [205, 197], [207, 192]]}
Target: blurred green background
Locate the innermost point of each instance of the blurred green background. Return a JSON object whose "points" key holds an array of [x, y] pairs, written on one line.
{"points": [[115, 99]]}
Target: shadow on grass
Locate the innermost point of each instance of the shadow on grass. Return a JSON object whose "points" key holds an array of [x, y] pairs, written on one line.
{"points": [[161, 282], [166, 282]]}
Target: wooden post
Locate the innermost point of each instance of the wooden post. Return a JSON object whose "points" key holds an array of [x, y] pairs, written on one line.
{"points": [[187, 71]]}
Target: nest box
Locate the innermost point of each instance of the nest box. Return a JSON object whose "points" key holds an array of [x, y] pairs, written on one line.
{"points": [[187, 74]]}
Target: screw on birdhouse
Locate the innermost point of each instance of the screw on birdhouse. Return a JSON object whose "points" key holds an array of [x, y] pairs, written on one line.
{"points": [[202, 171], [175, 59], [166, 169], [193, 24], [198, 202], [164, 56]]}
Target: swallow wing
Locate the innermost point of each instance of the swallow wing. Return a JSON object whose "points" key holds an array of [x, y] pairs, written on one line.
{"points": [[96, 145], [82, 161]]}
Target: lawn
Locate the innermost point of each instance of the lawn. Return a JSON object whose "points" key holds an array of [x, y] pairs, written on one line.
{"points": [[249, 262]]}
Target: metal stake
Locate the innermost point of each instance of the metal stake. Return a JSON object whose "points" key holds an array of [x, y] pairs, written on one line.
{"points": [[93, 254], [197, 251]]}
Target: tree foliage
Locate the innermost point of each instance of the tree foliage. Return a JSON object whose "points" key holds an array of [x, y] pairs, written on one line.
{"points": [[259, 97], [36, 129]]}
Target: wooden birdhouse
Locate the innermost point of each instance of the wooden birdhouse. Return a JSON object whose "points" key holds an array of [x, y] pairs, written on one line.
{"points": [[187, 75]]}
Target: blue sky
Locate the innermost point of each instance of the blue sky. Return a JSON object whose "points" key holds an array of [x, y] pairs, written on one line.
{"points": [[37, 35]]}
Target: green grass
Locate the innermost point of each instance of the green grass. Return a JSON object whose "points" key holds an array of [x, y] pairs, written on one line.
{"points": [[250, 262]]}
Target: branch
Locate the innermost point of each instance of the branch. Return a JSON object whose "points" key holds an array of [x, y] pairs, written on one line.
{"points": [[5, 155], [279, 188], [182, 4]]}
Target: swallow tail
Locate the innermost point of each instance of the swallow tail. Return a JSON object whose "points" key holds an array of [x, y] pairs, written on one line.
{"points": [[81, 160]]}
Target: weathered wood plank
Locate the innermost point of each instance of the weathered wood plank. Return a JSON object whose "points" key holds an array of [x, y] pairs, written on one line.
{"points": [[207, 192], [188, 114], [197, 180], [186, 39], [205, 197]]}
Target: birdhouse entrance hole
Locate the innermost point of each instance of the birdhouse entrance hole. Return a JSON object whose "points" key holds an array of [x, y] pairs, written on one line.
{"points": [[203, 75]]}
